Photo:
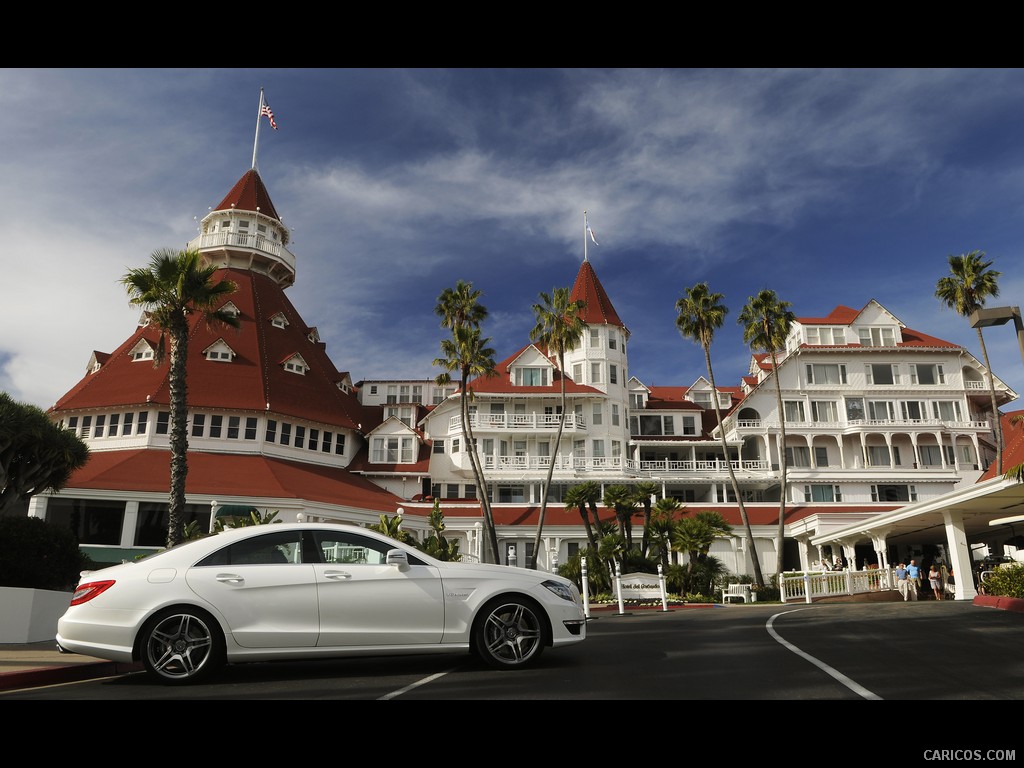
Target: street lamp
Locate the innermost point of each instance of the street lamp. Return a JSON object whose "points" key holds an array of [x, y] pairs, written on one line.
{"points": [[986, 318]]}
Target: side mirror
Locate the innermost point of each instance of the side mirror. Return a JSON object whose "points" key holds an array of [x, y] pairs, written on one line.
{"points": [[398, 557]]}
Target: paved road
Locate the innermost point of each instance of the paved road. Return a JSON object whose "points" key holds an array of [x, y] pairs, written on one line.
{"points": [[892, 651]]}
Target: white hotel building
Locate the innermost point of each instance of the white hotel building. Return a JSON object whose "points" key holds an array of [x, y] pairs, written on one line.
{"points": [[877, 416]]}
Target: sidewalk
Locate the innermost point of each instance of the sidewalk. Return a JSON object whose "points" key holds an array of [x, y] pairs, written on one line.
{"points": [[30, 665]]}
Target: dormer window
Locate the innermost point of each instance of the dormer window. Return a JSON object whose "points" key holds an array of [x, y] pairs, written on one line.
{"points": [[279, 320], [142, 351], [825, 336], [219, 351], [295, 364], [230, 309], [703, 399], [878, 337], [313, 335], [531, 377]]}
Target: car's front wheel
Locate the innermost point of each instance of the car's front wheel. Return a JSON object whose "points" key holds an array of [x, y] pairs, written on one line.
{"points": [[182, 645], [509, 633]]}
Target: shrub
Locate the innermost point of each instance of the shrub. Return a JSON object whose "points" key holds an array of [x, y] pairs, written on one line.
{"points": [[35, 554], [1006, 581]]}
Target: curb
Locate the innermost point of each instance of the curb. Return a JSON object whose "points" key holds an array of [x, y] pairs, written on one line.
{"points": [[1014, 604], [34, 678]]}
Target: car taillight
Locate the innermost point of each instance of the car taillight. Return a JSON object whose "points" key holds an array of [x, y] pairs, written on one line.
{"points": [[86, 592]]}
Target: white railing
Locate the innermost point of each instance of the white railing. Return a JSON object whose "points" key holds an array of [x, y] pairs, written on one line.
{"points": [[514, 421], [618, 464], [975, 385], [244, 240], [855, 423], [811, 585]]}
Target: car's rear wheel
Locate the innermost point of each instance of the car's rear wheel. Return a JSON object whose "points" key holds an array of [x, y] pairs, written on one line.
{"points": [[509, 632], [182, 645]]}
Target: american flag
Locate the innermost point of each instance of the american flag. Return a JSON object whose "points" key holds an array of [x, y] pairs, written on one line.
{"points": [[266, 111]]}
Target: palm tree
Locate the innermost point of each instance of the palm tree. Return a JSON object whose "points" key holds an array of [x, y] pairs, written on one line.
{"points": [[644, 492], [965, 291], [175, 285], [701, 313], [591, 491], [622, 499], [467, 352], [767, 321], [695, 535], [578, 497], [662, 521], [559, 328]]}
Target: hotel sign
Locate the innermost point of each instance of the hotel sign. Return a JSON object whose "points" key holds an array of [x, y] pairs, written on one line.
{"points": [[640, 586]]}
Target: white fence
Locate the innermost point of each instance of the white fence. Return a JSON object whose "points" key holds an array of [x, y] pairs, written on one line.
{"points": [[810, 585]]}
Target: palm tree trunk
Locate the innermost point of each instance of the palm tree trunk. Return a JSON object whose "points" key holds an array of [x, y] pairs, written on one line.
{"points": [[732, 475], [995, 410], [783, 465], [490, 535], [551, 469], [178, 386]]}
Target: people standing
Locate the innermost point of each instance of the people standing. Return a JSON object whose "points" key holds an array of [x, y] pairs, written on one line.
{"points": [[904, 584], [914, 574], [935, 581]]}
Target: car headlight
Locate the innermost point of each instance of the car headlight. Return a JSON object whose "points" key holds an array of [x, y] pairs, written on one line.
{"points": [[560, 589]]}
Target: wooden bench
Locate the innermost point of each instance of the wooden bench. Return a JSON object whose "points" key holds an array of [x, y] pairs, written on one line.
{"points": [[742, 591]]}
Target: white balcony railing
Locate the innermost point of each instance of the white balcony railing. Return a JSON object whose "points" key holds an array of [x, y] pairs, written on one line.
{"points": [[249, 242], [832, 426], [518, 421]]}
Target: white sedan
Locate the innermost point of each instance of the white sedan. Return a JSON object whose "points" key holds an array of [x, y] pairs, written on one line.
{"points": [[312, 591]]}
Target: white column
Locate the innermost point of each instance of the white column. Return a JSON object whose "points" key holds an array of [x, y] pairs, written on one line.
{"points": [[37, 506], [129, 523], [960, 555]]}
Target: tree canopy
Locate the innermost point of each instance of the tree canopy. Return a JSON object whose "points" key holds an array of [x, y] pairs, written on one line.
{"points": [[36, 454]]}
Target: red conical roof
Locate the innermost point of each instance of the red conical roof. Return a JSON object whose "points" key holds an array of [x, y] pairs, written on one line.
{"points": [[254, 380], [249, 194], [598, 309]]}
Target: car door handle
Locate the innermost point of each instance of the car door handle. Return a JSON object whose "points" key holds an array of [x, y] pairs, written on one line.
{"points": [[337, 575], [230, 577]]}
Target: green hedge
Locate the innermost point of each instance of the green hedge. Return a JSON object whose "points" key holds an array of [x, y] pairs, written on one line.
{"points": [[1006, 581], [37, 555]]}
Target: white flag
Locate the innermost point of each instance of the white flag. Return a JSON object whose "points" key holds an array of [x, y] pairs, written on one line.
{"points": [[591, 233]]}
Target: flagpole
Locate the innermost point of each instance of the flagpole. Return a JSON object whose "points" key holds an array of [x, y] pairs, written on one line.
{"points": [[584, 235], [256, 143]]}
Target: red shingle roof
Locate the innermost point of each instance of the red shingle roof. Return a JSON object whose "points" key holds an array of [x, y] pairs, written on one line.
{"points": [[250, 382], [248, 476], [1013, 446], [598, 307], [248, 194]]}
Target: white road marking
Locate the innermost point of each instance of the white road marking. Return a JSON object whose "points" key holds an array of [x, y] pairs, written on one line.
{"points": [[857, 688]]}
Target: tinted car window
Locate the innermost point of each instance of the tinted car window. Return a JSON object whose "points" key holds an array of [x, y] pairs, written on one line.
{"points": [[351, 548], [281, 547]]}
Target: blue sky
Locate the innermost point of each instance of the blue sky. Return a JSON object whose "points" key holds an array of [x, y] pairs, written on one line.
{"points": [[828, 186]]}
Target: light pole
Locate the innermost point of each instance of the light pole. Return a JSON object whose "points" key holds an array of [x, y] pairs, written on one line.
{"points": [[985, 318]]}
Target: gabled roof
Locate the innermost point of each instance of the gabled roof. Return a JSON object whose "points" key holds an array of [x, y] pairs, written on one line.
{"points": [[671, 397], [249, 194], [254, 381], [598, 309], [839, 316], [1013, 446], [500, 383]]}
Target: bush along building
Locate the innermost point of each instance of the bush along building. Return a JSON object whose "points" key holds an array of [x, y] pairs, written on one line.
{"points": [[877, 416]]}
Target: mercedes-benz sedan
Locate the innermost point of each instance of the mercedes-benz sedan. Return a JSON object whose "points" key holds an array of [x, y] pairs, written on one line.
{"points": [[312, 591]]}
